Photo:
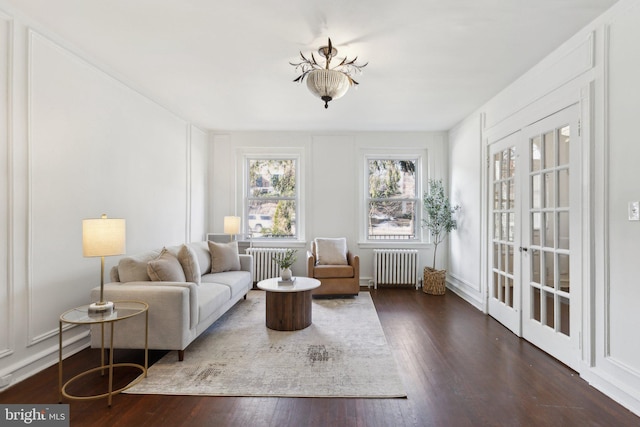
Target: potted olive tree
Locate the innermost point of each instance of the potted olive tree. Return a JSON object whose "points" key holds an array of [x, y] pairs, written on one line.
{"points": [[438, 219]]}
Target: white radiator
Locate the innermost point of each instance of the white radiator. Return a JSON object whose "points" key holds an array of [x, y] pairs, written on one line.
{"points": [[263, 265], [395, 267]]}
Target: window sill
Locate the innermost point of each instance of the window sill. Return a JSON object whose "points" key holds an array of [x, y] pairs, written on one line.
{"points": [[265, 243], [394, 245]]}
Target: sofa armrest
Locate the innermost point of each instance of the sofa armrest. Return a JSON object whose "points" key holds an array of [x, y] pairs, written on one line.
{"points": [[246, 263], [175, 302], [311, 262], [354, 261]]}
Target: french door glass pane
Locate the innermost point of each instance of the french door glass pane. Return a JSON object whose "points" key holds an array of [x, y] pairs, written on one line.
{"points": [[535, 228], [509, 293], [536, 304], [512, 195], [535, 154], [563, 188], [549, 190], [536, 261], [563, 146], [549, 226], [564, 316], [564, 273], [505, 226], [505, 164], [512, 224], [505, 195], [512, 162], [549, 308], [563, 230], [508, 259], [535, 192], [549, 150], [549, 269]]}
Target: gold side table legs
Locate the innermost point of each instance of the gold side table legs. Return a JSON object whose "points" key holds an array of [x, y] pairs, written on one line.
{"points": [[127, 309]]}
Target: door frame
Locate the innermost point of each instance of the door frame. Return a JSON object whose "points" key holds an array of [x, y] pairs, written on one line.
{"points": [[570, 94]]}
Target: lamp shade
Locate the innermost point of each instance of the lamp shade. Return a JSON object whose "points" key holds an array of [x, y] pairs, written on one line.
{"points": [[328, 84], [231, 224], [103, 237]]}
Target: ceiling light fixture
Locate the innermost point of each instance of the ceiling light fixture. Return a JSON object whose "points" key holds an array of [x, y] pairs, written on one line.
{"points": [[327, 83]]}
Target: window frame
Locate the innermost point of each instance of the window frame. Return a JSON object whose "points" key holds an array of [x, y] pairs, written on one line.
{"points": [[420, 157], [245, 197]]}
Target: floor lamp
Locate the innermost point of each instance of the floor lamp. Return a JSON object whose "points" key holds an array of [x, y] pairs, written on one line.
{"points": [[103, 237]]}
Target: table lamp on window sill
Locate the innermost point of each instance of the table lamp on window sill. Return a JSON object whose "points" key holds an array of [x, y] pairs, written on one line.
{"points": [[103, 237], [231, 226]]}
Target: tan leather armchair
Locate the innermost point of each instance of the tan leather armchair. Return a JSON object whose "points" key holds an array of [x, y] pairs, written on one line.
{"points": [[334, 279]]}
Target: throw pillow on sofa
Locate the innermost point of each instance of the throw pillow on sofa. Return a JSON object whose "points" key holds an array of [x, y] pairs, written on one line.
{"points": [[224, 256], [166, 268], [134, 268], [189, 262]]}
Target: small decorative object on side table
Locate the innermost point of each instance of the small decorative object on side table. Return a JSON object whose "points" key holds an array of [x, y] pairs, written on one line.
{"points": [[84, 316], [285, 260], [289, 282]]}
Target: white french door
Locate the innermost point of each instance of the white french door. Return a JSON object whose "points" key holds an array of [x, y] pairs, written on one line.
{"points": [[551, 265], [504, 236], [535, 225]]}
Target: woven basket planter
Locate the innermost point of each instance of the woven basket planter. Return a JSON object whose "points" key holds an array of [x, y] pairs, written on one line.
{"points": [[434, 281]]}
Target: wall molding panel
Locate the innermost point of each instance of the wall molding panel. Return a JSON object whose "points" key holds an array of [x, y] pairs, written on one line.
{"points": [[90, 126], [564, 65], [79, 142]]}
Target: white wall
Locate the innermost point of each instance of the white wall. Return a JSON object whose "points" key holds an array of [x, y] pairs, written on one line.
{"points": [[332, 181], [598, 67], [5, 196], [78, 143], [465, 160], [617, 347]]}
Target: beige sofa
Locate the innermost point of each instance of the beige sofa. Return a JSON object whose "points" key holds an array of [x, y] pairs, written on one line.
{"points": [[184, 299]]}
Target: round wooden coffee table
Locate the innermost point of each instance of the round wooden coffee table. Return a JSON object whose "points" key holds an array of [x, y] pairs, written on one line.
{"points": [[288, 305]]}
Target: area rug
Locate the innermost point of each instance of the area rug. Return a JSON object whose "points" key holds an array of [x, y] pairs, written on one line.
{"points": [[344, 353]]}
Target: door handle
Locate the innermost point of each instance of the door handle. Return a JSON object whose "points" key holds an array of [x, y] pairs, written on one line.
{"points": [[523, 249]]}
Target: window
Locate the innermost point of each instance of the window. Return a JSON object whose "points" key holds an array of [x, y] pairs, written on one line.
{"points": [[271, 198], [392, 198]]}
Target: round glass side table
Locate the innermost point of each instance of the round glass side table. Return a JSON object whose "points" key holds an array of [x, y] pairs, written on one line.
{"points": [[80, 316]]}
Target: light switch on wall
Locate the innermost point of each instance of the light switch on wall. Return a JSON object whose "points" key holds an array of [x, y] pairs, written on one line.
{"points": [[634, 211]]}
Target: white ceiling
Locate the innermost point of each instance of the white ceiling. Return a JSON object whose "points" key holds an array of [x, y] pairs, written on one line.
{"points": [[224, 65]]}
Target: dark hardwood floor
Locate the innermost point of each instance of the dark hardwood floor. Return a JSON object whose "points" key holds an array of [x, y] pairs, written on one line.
{"points": [[459, 367]]}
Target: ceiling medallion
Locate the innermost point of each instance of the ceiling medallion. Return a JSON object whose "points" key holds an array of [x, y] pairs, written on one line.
{"points": [[325, 82]]}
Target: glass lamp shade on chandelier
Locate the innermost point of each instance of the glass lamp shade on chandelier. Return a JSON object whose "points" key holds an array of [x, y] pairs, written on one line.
{"points": [[327, 85], [326, 82]]}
